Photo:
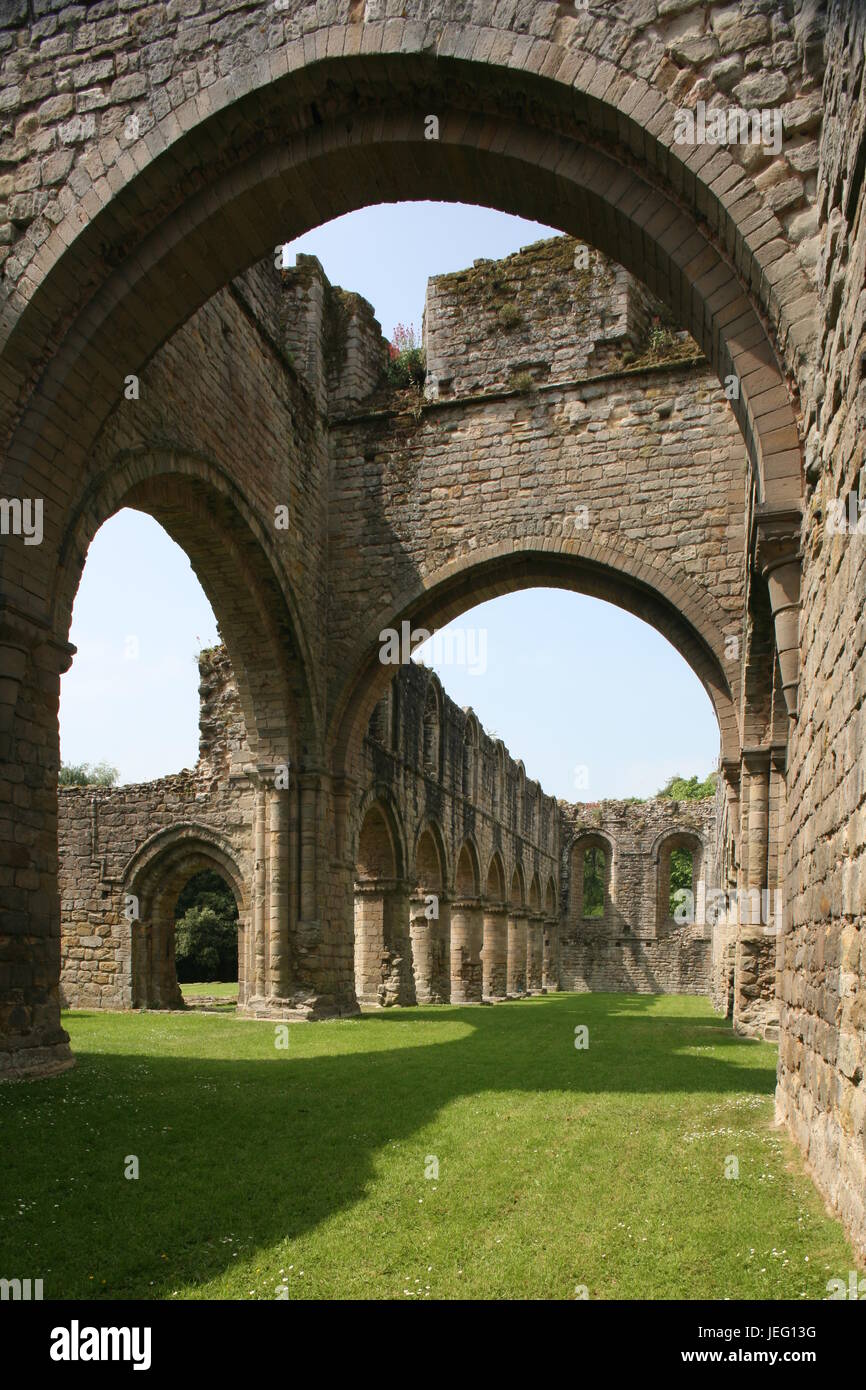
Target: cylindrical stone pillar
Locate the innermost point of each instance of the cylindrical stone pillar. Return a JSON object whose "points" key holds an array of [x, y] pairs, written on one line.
{"points": [[467, 930], [369, 942], [516, 953], [398, 983], [534, 953], [259, 892], [550, 955], [494, 956], [422, 932], [278, 892]]}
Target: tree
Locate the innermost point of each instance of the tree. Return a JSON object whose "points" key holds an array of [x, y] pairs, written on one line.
{"points": [[679, 788], [206, 930], [87, 775]]}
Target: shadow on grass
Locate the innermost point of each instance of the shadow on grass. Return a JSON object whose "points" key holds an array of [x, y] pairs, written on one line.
{"points": [[267, 1147]]}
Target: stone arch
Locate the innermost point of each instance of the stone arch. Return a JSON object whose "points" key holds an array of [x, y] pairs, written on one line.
{"points": [[430, 859], [379, 845], [469, 757], [517, 892], [431, 729], [581, 844], [534, 899], [670, 602], [674, 838], [234, 558], [152, 882], [274, 149], [495, 882], [550, 898], [467, 874]]}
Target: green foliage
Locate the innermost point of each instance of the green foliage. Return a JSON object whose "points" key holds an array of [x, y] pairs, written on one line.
{"points": [[509, 317], [206, 930], [407, 365], [593, 882], [87, 775], [679, 788], [681, 876], [521, 381]]}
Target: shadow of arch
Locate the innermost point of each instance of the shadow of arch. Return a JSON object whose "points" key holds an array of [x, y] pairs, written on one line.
{"points": [[379, 842], [234, 558], [154, 877], [673, 605], [467, 875], [430, 858]]}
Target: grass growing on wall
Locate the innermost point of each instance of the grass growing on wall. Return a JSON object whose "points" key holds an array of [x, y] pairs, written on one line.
{"points": [[304, 1168]]}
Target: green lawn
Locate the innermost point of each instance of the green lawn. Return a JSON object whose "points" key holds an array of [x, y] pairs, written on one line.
{"points": [[305, 1167], [218, 989]]}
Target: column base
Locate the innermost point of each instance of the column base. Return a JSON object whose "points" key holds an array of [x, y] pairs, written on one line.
{"points": [[297, 1008], [33, 1063]]}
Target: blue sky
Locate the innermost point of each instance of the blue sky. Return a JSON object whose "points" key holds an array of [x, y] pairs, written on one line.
{"points": [[567, 681]]}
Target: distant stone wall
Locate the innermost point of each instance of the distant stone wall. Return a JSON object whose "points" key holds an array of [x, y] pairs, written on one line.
{"points": [[635, 944], [556, 310]]}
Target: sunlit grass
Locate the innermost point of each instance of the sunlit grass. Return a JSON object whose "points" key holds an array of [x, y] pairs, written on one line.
{"points": [[311, 1167]]}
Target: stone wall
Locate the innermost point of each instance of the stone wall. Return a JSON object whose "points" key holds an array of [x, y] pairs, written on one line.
{"points": [[821, 1093], [635, 943], [554, 311]]}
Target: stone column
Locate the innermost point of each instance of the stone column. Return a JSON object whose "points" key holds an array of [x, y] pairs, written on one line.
{"points": [[421, 933], [32, 1041], [309, 797], [550, 955], [516, 952], [494, 956], [534, 952], [257, 954], [278, 893], [755, 1007], [369, 941], [467, 931], [398, 982], [776, 547]]}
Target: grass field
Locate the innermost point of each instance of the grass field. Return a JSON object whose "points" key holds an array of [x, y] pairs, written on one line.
{"points": [[304, 1168], [218, 989]]}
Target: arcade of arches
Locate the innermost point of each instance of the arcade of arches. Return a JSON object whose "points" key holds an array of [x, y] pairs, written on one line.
{"points": [[152, 359]]}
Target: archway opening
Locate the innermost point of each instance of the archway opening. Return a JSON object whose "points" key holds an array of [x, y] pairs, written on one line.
{"points": [[206, 945]]}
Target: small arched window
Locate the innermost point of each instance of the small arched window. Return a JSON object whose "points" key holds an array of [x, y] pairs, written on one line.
{"points": [[594, 878], [431, 732]]}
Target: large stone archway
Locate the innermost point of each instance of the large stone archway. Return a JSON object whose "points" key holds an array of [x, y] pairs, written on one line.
{"points": [[119, 231]]}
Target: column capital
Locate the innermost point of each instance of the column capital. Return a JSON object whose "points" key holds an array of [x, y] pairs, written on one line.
{"points": [[776, 537]]}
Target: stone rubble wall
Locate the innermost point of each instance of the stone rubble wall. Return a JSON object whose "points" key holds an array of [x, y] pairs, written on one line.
{"points": [[821, 1093]]}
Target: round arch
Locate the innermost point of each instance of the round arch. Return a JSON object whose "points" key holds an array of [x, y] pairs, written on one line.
{"points": [[300, 136], [670, 603], [202, 509], [153, 879]]}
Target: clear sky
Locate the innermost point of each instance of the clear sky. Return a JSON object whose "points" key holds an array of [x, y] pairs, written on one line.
{"points": [[568, 682]]}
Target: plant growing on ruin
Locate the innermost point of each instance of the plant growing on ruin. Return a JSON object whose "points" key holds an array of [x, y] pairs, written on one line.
{"points": [[87, 775], [521, 381], [678, 788], [407, 360], [509, 317]]}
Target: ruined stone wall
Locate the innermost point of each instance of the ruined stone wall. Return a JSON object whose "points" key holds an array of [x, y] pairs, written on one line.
{"points": [[635, 944], [553, 311], [103, 832], [822, 955], [499, 810]]}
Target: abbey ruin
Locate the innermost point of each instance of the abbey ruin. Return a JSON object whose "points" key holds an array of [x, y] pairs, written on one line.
{"points": [[153, 156]]}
